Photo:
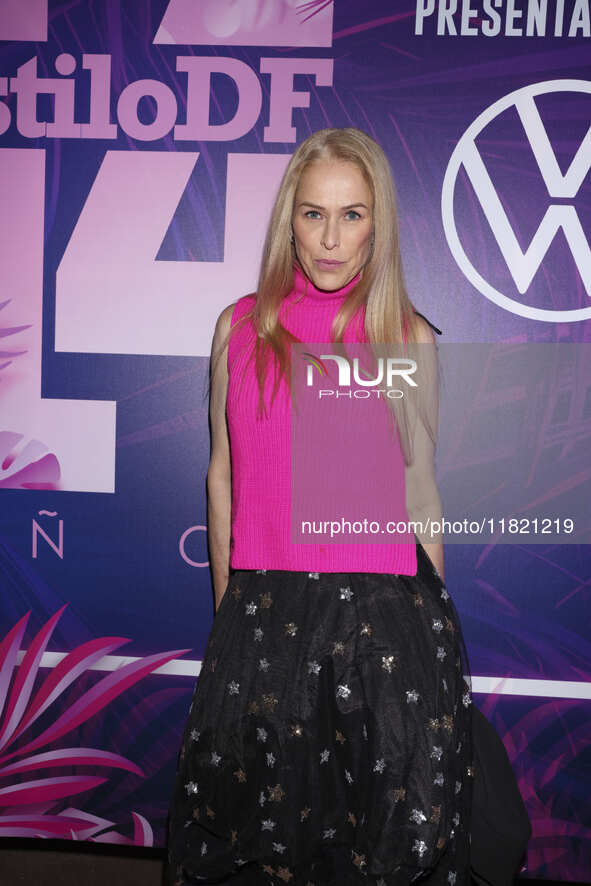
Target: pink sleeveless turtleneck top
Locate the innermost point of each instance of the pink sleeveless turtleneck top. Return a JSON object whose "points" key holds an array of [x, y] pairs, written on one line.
{"points": [[261, 455]]}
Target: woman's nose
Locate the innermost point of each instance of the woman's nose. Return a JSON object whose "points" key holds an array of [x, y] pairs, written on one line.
{"points": [[330, 235]]}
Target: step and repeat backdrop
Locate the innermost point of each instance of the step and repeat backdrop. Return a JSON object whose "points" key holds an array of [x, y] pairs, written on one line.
{"points": [[141, 144]]}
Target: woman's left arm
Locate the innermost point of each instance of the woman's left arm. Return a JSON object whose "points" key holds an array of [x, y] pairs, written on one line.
{"points": [[423, 502]]}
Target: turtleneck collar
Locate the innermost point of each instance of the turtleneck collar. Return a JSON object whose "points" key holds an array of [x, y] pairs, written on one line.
{"points": [[304, 289]]}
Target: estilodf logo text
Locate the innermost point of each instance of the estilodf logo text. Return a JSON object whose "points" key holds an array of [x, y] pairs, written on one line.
{"points": [[388, 371]]}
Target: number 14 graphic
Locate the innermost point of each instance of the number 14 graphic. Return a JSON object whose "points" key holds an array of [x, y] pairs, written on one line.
{"points": [[112, 296]]}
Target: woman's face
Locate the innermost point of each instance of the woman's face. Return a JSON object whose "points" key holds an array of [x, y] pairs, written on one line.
{"points": [[332, 222]]}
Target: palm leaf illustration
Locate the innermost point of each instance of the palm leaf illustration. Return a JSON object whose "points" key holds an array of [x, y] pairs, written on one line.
{"points": [[28, 805]]}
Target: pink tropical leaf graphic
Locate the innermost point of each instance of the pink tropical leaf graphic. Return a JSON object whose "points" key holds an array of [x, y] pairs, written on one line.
{"points": [[47, 789], [23, 683], [60, 826], [34, 467], [82, 756], [29, 805]]}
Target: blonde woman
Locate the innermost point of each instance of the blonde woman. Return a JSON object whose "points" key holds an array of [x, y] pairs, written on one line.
{"points": [[328, 741]]}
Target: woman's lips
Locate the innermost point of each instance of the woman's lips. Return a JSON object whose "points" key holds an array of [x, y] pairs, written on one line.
{"points": [[328, 265]]}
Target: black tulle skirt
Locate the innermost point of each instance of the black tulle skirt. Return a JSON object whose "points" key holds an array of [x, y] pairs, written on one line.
{"points": [[329, 736]]}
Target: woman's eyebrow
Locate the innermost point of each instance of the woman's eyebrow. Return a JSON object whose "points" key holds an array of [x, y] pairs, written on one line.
{"points": [[316, 206]]}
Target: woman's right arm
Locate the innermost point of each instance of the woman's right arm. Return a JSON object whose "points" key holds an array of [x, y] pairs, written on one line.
{"points": [[219, 474]]}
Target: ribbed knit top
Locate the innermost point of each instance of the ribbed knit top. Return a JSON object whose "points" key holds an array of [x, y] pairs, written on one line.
{"points": [[261, 454]]}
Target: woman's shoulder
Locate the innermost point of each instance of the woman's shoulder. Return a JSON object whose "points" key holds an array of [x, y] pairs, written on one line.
{"points": [[240, 307], [232, 312]]}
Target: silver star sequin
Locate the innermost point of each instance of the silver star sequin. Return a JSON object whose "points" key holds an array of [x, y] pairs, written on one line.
{"points": [[262, 798], [315, 575], [438, 780], [458, 787], [345, 593], [364, 731], [324, 755], [263, 664], [251, 608], [444, 682], [366, 629], [417, 816], [233, 687], [437, 625], [444, 594], [267, 824], [451, 877], [389, 662], [343, 691], [466, 700], [279, 847], [456, 819], [261, 733], [436, 752], [203, 848], [261, 571], [271, 759], [195, 735], [441, 653], [215, 759], [420, 847], [329, 833], [379, 765], [291, 629], [412, 696], [258, 634], [192, 788], [348, 776], [313, 667]]}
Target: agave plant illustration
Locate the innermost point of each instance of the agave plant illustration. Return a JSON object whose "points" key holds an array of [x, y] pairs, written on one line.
{"points": [[27, 807]]}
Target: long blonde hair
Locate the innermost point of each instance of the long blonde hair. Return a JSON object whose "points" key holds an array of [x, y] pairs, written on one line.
{"points": [[381, 288]]}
